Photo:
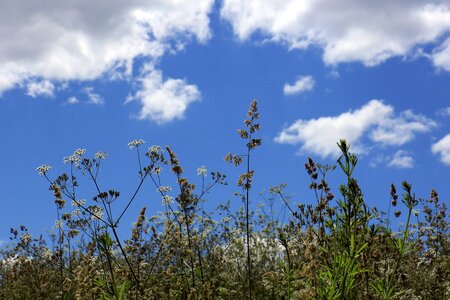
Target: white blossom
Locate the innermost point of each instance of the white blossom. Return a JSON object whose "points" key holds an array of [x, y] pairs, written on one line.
{"points": [[154, 149], [164, 189], [135, 143], [100, 155], [58, 224], [202, 171], [166, 200], [97, 213], [43, 169], [79, 202]]}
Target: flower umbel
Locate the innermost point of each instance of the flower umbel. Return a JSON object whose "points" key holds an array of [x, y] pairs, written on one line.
{"points": [[135, 143], [202, 171], [43, 169]]}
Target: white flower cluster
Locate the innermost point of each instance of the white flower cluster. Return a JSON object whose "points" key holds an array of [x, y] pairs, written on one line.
{"points": [[164, 189], [58, 224], [43, 169], [25, 238], [75, 157], [97, 213], [79, 202], [202, 171], [47, 254], [76, 212], [135, 143], [166, 200], [101, 155], [155, 149], [416, 212]]}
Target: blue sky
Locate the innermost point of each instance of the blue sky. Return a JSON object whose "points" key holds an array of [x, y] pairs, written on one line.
{"points": [[179, 73]]}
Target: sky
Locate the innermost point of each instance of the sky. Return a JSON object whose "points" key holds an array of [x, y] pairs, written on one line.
{"points": [[99, 74]]}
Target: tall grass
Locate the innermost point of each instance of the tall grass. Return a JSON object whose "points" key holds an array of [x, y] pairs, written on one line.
{"points": [[336, 248]]}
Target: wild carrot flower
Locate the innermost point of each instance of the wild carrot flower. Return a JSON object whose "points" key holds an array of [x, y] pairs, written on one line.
{"points": [[75, 157], [166, 200], [58, 224], [135, 143], [78, 202], [100, 155], [201, 171], [154, 149], [43, 169], [97, 213], [164, 189]]}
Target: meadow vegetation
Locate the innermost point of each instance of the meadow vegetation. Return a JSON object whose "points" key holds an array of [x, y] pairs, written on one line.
{"points": [[336, 248]]}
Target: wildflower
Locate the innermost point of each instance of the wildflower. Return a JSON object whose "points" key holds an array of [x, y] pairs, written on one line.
{"points": [[58, 224], [164, 189], [157, 170], [166, 200], [135, 143], [202, 171], [75, 157], [100, 155], [416, 212], [47, 254], [43, 169], [76, 212], [25, 238], [79, 202], [154, 149], [97, 213]]}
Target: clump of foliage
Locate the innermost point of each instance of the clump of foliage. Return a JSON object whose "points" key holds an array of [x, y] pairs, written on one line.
{"points": [[332, 249]]}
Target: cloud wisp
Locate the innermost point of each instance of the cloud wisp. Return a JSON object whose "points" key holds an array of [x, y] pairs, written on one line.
{"points": [[302, 84], [375, 121]]}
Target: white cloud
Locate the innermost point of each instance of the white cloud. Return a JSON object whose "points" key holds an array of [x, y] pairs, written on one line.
{"points": [[42, 88], [303, 84], [83, 40], [164, 100], [441, 56], [444, 112], [94, 98], [402, 159], [375, 120], [347, 30], [442, 148], [400, 130], [72, 100]]}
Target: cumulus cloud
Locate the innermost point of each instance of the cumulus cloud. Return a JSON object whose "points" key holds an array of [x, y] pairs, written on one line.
{"points": [[366, 31], [164, 100], [42, 88], [84, 40], [402, 159], [442, 148], [303, 84], [375, 120]]}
